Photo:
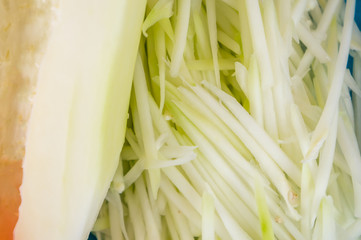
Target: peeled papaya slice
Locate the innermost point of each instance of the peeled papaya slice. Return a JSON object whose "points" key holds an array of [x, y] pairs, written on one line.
{"points": [[78, 109]]}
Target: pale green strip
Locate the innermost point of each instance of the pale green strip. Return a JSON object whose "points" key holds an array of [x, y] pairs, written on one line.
{"points": [[228, 42], [141, 194], [116, 216], [207, 64], [147, 131], [254, 92], [181, 224], [256, 132], [331, 106], [212, 28], [171, 225], [161, 10], [135, 215], [181, 29], [208, 217], [312, 43], [263, 212]]}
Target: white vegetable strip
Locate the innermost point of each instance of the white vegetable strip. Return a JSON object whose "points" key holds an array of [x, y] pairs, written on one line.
{"points": [[184, 187], [349, 147], [212, 28], [207, 217], [160, 51], [203, 42], [241, 73], [324, 168], [233, 228], [178, 161], [171, 226], [312, 44], [150, 224], [254, 92], [215, 180], [218, 162], [263, 212], [118, 179], [154, 210], [300, 129], [160, 123], [236, 160], [135, 215], [135, 136], [198, 182], [352, 84], [176, 151], [116, 215], [321, 84], [181, 224], [147, 131], [298, 11], [227, 41], [160, 141], [258, 133], [241, 209], [178, 200], [346, 104], [353, 231], [331, 107], [357, 100], [307, 192], [272, 170], [328, 219], [245, 32], [133, 174], [263, 59], [210, 152], [181, 29], [207, 64], [196, 103], [161, 10], [281, 90], [322, 27], [259, 42]]}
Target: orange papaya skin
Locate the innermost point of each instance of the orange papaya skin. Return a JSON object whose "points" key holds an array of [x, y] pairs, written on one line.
{"points": [[10, 181]]}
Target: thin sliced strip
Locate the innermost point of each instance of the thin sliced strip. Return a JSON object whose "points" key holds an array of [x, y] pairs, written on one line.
{"points": [[181, 29], [275, 174], [161, 10], [146, 126], [208, 210], [311, 43], [257, 132], [331, 106], [212, 28], [263, 212]]}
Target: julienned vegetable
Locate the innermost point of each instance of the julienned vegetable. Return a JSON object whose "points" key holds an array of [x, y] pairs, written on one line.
{"points": [[241, 124]]}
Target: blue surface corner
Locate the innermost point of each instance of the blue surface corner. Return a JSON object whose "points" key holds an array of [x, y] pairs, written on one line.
{"points": [[92, 237]]}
